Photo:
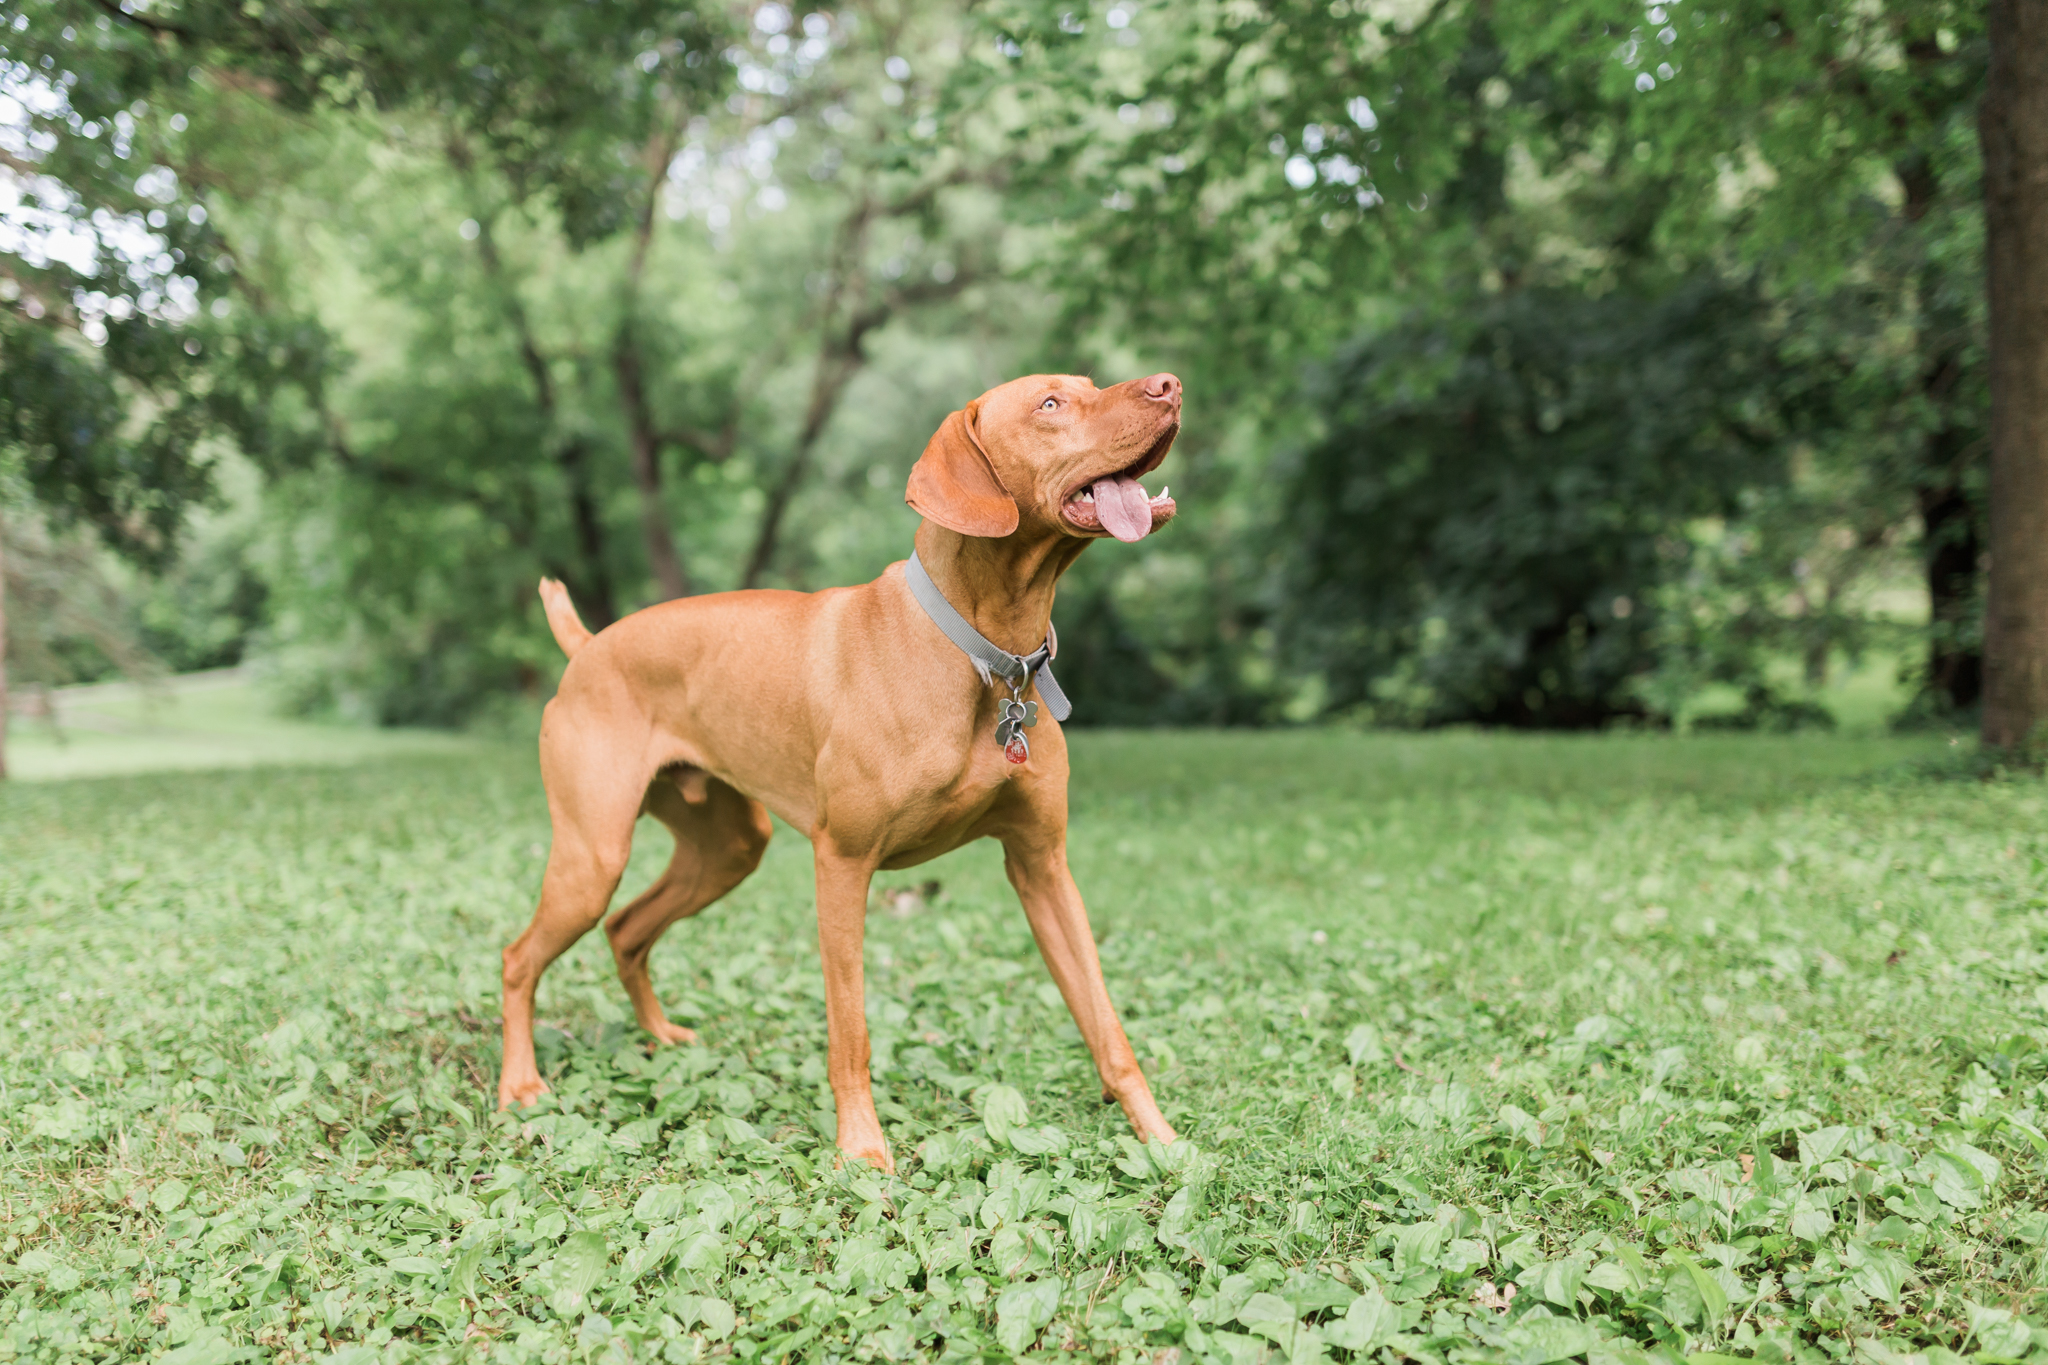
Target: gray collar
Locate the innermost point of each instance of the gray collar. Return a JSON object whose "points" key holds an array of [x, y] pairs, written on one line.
{"points": [[990, 660]]}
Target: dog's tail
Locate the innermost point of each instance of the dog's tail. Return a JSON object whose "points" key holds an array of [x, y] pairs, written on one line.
{"points": [[570, 632]]}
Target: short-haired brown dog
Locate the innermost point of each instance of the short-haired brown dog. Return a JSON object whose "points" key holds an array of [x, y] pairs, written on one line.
{"points": [[851, 715]]}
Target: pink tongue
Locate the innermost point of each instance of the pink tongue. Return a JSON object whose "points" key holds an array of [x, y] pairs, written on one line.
{"points": [[1121, 504]]}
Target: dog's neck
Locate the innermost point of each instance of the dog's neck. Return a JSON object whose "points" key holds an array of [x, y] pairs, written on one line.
{"points": [[1003, 587]]}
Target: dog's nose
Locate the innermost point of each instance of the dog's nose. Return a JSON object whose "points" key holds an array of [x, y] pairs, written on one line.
{"points": [[1163, 387]]}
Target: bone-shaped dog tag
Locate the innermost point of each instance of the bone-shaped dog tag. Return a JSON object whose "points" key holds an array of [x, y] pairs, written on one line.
{"points": [[1011, 718]]}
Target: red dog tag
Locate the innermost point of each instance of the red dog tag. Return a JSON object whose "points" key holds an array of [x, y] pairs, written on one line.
{"points": [[1016, 751]]}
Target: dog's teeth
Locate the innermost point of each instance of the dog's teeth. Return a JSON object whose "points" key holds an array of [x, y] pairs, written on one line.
{"points": [[1163, 489], [1087, 495]]}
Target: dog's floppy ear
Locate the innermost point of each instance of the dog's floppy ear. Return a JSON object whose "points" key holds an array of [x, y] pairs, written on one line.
{"points": [[954, 484]]}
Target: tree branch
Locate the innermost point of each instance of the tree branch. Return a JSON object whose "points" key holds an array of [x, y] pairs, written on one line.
{"points": [[842, 350], [571, 455], [515, 313], [645, 441], [142, 21], [712, 447], [643, 434]]}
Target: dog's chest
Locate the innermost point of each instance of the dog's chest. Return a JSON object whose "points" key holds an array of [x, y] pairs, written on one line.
{"points": [[954, 808]]}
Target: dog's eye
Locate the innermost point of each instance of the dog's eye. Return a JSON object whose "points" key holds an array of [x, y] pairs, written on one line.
{"points": [[1048, 405]]}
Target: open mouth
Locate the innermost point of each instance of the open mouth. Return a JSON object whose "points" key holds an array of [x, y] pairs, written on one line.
{"points": [[1117, 502]]}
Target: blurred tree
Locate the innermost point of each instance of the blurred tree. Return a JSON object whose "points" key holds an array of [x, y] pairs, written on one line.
{"points": [[572, 112], [651, 300], [1259, 182], [597, 160], [3, 649], [699, 360], [117, 380], [1508, 482], [71, 619]]}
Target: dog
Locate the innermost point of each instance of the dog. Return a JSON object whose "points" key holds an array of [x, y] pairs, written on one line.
{"points": [[853, 715]]}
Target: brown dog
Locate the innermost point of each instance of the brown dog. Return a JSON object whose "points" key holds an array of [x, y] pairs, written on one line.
{"points": [[853, 717]]}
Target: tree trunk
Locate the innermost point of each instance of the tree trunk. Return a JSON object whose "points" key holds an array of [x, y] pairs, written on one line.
{"points": [[2013, 126], [3, 654], [834, 371], [841, 354], [662, 557], [1955, 664], [592, 587], [642, 435], [1951, 536]]}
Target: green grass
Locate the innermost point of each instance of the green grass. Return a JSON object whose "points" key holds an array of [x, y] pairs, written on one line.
{"points": [[1720, 1044], [188, 723]]}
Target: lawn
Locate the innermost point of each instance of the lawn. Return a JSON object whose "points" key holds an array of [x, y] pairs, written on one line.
{"points": [[219, 719], [1484, 1048]]}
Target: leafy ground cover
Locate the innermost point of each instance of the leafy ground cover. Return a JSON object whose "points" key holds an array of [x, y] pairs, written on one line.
{"points": [[1486, 1049]]}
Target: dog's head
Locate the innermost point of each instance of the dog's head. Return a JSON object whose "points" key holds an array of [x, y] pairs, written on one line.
{"points": [[1051, 453]]}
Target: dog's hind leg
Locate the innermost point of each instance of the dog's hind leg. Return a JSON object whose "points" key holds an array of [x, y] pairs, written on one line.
{"points": [[593, 813], [720, 835]]}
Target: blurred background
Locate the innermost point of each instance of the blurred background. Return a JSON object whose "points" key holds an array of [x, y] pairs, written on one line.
{"points": [[1564, 366]]}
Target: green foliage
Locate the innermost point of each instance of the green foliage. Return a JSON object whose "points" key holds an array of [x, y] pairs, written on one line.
{"points": [[550, 91], [122, 364], [656, 301], [79, 613], [1260, 186], [1279, 168], [569, 304], [63, 415], [69, 619], [1488, 504], [1716, 1045]]}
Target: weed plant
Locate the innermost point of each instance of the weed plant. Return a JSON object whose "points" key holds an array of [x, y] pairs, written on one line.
{"points": [[1484, 1049]]}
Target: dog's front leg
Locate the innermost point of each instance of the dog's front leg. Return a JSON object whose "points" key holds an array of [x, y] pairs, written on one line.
{"points": [[1059, 921], [842, 923]]}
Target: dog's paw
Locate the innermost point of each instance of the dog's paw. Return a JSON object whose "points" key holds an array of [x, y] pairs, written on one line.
{"points": [[875, 1154], [521, 1092], [673, 1033]]}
